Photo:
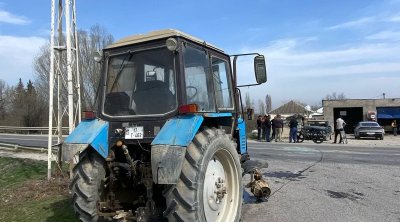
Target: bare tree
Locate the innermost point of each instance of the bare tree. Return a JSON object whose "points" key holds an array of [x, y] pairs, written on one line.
{"points": [[2, 99], [261, 107], [335, 96], [268, 103], [89, 42], [248, 102]]}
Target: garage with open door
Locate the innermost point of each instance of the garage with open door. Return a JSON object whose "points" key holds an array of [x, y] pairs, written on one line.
{"points": [[351, 115], [385, 116]]}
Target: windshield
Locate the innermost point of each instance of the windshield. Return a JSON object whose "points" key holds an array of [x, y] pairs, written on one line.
{"points": [[140, 83]]}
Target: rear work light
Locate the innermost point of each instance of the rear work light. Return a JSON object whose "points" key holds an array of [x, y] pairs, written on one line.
{"points": [[88, 115], [188, 108]]}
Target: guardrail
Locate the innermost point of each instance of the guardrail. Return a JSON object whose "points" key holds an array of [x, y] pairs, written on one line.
{"points": [[16, 147], [29, 130]]}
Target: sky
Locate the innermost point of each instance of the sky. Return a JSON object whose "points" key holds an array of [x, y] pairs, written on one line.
{"points": [[312, 47]]}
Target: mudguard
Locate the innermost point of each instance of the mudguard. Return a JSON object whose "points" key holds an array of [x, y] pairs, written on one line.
{"points": [[169, 147], [92, 133]]}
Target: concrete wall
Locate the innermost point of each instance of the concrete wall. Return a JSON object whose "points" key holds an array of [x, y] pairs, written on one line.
{"points": [[366, 104]]}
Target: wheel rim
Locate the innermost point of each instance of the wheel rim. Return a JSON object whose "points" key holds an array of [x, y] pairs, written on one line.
{"points": [[221, 188]]}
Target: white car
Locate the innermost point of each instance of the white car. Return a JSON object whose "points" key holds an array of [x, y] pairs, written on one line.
{"points": [[369, 129]]}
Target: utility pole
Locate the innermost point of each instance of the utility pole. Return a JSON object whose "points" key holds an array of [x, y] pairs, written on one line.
{"points": [[64, 75]]}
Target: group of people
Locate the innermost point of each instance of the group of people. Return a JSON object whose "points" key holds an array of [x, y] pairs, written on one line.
{"points": [[272, 129]]}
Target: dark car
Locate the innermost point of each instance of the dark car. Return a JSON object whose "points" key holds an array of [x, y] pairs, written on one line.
{"points": [[369, 129]]}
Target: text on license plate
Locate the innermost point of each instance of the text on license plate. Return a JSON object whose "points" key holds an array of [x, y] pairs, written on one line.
{"points": [[134, 132]]}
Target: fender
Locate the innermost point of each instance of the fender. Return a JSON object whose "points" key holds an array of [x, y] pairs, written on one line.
{"points": [[92, 133], [169, 147]]}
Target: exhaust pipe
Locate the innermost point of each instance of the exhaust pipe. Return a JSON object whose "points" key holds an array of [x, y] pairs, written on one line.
{"points": [[258, 186]]}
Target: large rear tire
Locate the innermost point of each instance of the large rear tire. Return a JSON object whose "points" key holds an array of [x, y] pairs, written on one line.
{"points": [[211, 166], [87, 185]]}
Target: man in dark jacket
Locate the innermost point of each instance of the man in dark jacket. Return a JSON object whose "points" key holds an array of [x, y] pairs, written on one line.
{"points": [[293, 129], [267, 127], [259, 125]]}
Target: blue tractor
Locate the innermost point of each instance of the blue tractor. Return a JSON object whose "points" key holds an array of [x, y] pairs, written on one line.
{"points": [[168, 140]]}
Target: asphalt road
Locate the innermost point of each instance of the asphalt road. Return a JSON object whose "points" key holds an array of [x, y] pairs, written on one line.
{"points": [[310, 182], [327, 182], [26, 140]]}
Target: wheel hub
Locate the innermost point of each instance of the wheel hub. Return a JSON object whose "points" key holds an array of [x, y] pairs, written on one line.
{"points": [[220, 189], [215, 187]]}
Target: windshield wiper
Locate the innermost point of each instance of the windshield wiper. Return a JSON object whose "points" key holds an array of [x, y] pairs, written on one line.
{"points": [[129, 57]]}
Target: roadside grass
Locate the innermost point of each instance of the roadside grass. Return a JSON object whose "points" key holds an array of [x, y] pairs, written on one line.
{"points": [[27, 195]]}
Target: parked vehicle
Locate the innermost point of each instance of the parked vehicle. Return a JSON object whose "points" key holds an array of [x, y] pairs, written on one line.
{"points": [[369, 129], [169, 141], [314, 133], [325, 126]]}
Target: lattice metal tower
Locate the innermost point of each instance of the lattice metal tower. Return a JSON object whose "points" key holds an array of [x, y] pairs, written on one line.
{"points": [[64, 77]]}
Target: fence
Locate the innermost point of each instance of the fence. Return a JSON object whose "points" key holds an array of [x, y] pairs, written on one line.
{"points": [[30, 130]]}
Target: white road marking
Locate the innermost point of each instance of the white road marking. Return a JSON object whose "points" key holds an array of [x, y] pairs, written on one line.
{"points": [[311, 150]]}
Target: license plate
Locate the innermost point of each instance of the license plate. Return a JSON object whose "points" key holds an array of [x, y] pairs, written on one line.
{"points": [[371, 133], [135, 132]]}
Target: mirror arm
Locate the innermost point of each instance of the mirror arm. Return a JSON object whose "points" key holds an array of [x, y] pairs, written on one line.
{"points": [[255, 84]]}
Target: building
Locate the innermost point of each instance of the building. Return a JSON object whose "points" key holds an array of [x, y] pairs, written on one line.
{"points": [[384, 111], [290, 108]]}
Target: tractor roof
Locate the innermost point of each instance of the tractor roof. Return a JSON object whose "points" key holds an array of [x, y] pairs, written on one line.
{"points": [[155, 35]]}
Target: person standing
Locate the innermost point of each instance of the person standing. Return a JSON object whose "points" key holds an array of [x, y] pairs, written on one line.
{"points": [[273, 128], [394, 127], [293, 129], [340, 123], [259, 125], [267, 127], [278, 128]]}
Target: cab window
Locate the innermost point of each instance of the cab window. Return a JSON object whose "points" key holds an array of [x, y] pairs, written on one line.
{"points": [[222, 85], [198, 80]]}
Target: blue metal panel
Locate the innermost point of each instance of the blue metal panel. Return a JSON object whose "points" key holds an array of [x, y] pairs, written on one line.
{"points": [[217, 114], [388, 112], [93, 132], [179, 131], [242, 135]]}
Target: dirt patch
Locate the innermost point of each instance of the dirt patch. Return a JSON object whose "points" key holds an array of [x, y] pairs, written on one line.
{"points": [[33, 190]]}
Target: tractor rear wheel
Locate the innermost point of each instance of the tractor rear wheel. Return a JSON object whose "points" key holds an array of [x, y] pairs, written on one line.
{"points": [[87, 185], [210, 185]]}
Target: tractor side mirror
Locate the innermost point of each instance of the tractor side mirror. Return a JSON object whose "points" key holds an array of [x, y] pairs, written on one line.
{"points": [[259, 69]]}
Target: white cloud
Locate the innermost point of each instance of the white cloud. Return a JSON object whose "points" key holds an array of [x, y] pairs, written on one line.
{"points": [[385, 35], [395, 18], [309, 75], [16, 56], [8, 17], [354, 23]]}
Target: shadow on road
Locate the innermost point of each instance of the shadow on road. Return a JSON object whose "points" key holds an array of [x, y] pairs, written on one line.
{"points": [[289, 175]]}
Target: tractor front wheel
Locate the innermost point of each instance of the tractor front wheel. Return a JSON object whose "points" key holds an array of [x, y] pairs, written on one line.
{"points": [[210, 186], [87, 185]]}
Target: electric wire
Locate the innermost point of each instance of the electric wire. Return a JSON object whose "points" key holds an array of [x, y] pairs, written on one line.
{"points": [[299, 173]]}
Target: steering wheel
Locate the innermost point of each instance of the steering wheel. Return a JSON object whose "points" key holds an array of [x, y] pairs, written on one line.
{"points": [[194, 90]]}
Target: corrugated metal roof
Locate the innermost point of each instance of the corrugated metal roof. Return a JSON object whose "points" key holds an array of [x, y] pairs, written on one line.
{"points": [[154, 35], [289, 108]]}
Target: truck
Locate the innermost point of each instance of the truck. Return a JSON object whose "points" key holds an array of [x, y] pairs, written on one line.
{"points": [[167, 141]]}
